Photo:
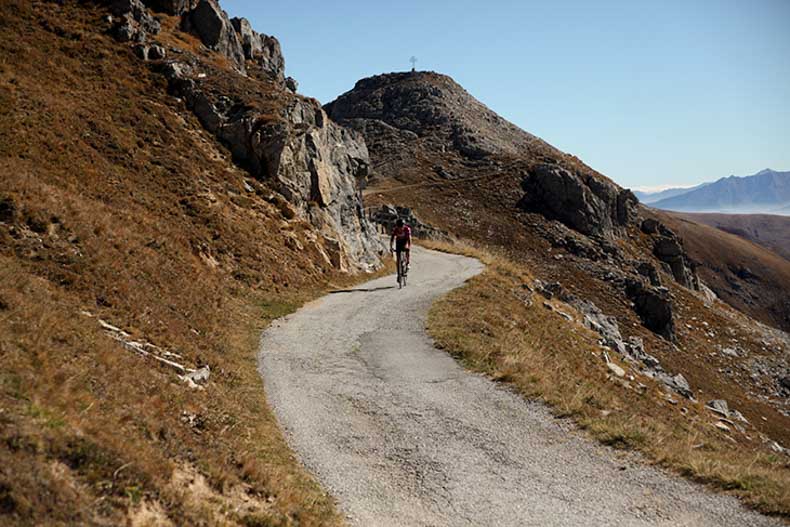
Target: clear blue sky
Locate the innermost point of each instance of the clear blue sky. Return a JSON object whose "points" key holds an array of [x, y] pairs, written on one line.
{"points": [[649, 93]]}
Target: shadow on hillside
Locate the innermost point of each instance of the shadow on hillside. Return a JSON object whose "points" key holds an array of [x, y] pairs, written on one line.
{"points": [[361, 290]]}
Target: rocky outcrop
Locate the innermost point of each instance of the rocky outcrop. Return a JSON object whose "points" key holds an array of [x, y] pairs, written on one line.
{"points": [[209, 22], [234, 39], [317, 165], [263, 49], [387, 215], [668, 249], [649, 271], [653, 306], [131, 21], [150, 52], [172, 7], [583, 202]]}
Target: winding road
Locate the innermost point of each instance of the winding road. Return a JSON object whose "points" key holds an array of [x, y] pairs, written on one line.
{"points": [[402, 435]]}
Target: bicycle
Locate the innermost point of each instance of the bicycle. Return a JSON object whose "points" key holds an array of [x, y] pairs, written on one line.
{"points": [[401, 265]]}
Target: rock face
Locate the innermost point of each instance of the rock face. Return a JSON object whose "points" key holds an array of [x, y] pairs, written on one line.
{"points": [[317, 165], [261, 48], [583, 202], [668, 249], [208, 21], [653, 306]]}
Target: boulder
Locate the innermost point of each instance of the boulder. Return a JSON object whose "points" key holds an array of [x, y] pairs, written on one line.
{"points": [[635, 350], [146, 52], [606, 326], [649, 226], [549, 290], [199, 376], [291, 84], [681, 385], [156, 52], [653, 306], [666, 248]]}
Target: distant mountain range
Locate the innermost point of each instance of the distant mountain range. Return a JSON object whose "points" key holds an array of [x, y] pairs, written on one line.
{"points": [[651, 197], [767, 192]]}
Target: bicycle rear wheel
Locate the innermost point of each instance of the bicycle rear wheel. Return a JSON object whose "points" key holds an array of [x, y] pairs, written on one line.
{"points": [[399, 267]]}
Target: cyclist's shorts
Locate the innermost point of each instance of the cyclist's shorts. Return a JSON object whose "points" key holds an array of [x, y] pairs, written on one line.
{"points": [[400, 245]]}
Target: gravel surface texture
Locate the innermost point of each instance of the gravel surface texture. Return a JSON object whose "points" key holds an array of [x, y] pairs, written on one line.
{"points": [[402, 435]]}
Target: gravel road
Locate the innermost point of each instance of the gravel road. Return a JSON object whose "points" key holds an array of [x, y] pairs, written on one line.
{"points": [[401, 435]]}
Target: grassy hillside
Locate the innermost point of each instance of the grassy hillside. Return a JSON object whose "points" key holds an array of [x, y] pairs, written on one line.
{"points": [[116, 206], [498, 325], [747, 276], [770, 231]]}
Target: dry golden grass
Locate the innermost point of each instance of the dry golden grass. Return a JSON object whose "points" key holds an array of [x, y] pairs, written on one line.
{"points": [[496, 326], [116, 203]]}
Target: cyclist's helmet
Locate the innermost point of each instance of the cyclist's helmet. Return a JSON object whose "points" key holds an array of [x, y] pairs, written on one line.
{"points": [[399, 223]]}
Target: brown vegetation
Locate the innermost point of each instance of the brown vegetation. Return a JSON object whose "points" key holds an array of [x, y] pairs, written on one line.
{"points": [[747, 276], [497, 326], [770, 231], [116, 205]]}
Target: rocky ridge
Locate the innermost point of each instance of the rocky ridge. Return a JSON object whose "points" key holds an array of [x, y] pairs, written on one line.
{"points": [[278, 136]]}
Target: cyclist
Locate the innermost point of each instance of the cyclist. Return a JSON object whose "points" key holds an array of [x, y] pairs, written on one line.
{"points": [[401, 235]]}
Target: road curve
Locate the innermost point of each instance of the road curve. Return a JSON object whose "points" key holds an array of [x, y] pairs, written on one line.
{"points": [[401, 435]]}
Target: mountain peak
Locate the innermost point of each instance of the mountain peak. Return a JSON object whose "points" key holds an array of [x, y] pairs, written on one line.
{"points": [[434, 107], [382, 79]]}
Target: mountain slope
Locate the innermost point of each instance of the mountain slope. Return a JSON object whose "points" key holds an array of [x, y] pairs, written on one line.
{"points": [[132, 251], [770, 231], [505, 186], [766, 191], [586, 241]]}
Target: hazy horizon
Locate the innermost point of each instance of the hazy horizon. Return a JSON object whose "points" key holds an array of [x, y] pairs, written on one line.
{"points": [[663, 95]]}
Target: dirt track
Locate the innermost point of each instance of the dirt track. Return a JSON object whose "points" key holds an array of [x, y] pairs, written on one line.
{"points": [[401, 435]]}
